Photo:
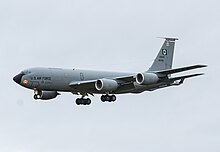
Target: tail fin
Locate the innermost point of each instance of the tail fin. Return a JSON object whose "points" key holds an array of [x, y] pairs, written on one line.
{"points": [[164, 58]]}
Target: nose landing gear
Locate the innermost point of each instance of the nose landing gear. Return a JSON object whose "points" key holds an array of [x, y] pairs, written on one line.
{"points": [[37, 94]]}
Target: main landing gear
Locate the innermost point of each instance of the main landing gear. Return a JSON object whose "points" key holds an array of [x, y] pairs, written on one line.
{"points": [[109, 98], [87, 101], [82, 101]]}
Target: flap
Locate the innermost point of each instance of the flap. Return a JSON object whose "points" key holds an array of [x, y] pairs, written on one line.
{"points": [[83, 85]]}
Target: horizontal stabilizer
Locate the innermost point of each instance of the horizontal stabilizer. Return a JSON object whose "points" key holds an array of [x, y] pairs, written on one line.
{"points": [[171, 71], [186, 76], [169, 38]]}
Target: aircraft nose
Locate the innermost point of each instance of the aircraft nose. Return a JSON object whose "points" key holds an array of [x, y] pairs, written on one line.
{"points": [[18, 78]]}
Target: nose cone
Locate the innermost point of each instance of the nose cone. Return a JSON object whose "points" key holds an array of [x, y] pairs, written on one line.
{"points": [[18, 78]]}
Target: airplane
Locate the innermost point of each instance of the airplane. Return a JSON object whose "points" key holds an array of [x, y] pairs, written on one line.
{"points": [[47, 82]]}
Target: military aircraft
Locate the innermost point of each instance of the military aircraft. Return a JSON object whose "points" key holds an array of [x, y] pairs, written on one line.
{"points": [[47, 82]]}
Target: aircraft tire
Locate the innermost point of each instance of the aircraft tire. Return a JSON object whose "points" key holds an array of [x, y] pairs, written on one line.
{"points": [[113, 97], [108, 98], [80, 101], [35, 97], [88, 101], [103, 98]]}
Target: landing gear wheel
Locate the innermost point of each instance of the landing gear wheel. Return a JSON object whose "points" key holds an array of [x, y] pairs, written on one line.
{"points": [[35, 97], [103, 98], [109, 98], [88, 101], [81, 101], [113, 98], [37, 94], [78, 101]]}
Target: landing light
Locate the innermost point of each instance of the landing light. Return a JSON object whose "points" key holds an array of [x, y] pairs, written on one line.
{"points": [[25, 81]]}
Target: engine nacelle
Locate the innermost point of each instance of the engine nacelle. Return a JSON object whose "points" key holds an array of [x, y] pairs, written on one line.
{"points": [[46, 95], [146, 78], [106, 85]]}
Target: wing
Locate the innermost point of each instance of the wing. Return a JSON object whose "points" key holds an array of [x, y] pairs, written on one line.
{"points": [[83, 85], [89, 86], [125, 79]]}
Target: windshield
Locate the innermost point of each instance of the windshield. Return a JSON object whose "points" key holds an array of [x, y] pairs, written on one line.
{"points": [[25, 72]]}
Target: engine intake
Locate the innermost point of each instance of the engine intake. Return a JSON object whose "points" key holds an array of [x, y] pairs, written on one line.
{"points": [[106, 85], [146, 78]]}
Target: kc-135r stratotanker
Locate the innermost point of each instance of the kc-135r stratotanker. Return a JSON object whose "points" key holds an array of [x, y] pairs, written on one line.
{"points": [[47, 82]]}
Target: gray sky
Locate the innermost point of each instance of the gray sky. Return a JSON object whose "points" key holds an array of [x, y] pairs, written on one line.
{"points": [[110, 35]]}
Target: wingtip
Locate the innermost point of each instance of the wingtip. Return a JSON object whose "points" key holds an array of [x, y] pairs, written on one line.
{"points": [[200, 74], [202, 65]]}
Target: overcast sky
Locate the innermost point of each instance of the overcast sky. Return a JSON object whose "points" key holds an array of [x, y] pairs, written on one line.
{"points": [[110, 35]]}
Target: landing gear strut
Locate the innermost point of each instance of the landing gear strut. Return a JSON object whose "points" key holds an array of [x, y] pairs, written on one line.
{"points": [[109, 98], [82, 101]]}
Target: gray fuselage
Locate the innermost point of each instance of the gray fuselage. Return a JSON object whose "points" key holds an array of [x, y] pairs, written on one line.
{"points": [[57, 79]]}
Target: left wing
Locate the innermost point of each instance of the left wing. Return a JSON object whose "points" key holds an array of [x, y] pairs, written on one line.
{"points": [[89, 85], [125, 79], [83, 85]]}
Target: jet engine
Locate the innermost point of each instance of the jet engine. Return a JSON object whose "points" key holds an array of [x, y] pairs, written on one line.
{"points": [[146, 78], [46, 95], [106, 85]]}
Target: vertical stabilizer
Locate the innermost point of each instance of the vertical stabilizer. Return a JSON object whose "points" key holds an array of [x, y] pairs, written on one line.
{"points": [[164, 58]]}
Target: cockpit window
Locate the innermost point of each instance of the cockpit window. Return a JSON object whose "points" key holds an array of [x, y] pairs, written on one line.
{"points": [[25, 72]]}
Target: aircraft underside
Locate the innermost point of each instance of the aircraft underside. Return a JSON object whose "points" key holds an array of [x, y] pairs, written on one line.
{"points": [[133, 88]]}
